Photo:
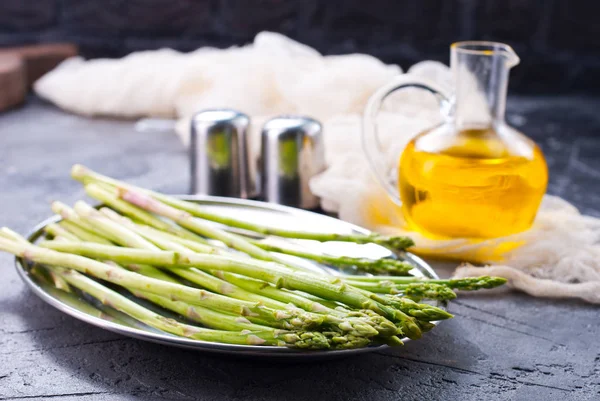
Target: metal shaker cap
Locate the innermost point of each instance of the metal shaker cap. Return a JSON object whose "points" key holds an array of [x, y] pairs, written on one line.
{"points": [[292, 152], [219, 154]]}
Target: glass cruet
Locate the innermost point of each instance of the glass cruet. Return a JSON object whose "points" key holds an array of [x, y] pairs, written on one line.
{"points": [[472, 176]]}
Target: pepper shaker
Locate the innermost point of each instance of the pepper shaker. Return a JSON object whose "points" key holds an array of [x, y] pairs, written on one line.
{"points": [[292, 152], [219, 154]]}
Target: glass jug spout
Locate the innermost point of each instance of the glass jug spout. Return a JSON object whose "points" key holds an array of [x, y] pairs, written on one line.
{"points": [[480, 72]]}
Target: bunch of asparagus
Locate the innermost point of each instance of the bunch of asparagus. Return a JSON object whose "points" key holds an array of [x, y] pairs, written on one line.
{"points": [[228, 287]]}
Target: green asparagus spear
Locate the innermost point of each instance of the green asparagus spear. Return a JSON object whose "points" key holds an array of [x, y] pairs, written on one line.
{"points": [[418, 288], [108, 198], [73, 223], [69, 298], [126, 238], [330, 288], [350, 321], [288, 318], [13, 243], [73, 227], [56, 230], [355, 326], [205, 316], [310, 340], [467, 283], [11, 235], [157, 237], [187, 221], [383, 326], [420, 311], [415, 290], [120, 235], [85, 175], [419, 291], [373, 266]]}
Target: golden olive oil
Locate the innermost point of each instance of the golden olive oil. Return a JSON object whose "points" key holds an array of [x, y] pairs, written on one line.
{"points": [[476, 183]]}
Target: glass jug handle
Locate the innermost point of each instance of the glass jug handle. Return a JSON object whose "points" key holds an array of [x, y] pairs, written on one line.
{"points": [[370, 140]]}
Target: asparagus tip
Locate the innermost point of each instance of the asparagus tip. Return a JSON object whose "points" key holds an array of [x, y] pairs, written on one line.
{"points": [[419, 291], [78, 172], [398, 243]]}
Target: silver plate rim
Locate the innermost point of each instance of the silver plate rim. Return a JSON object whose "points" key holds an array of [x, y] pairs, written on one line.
{"points": [[232, 349]]}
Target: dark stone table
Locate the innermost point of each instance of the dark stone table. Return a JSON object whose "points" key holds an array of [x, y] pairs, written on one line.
{"points": [[505, 346]]}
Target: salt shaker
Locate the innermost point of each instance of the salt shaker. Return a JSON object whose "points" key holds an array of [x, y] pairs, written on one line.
{"points": [[219, 154], [292, 152]]}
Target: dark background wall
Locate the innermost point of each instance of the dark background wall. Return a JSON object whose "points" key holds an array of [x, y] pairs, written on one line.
{"points": [[558, 40]]}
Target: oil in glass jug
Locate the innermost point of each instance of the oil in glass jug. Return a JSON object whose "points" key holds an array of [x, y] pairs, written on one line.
{"points": [[473, 176]]}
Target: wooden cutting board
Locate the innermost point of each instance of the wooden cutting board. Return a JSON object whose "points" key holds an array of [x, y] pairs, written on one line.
{"points": [[13, 81], [21, 66]]}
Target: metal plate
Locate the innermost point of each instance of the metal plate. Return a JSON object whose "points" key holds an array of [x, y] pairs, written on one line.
{"points": [[265, 213]]}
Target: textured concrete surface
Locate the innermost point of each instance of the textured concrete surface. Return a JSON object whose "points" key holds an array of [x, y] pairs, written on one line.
{"points": [[505, 346]]}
